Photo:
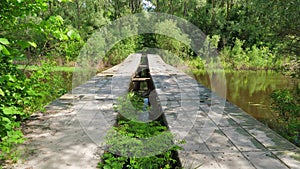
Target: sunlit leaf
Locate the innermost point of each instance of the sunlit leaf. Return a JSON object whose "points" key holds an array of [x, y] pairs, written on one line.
{"points": [[12, 78], [33, 44], [65, 1], [73, 35], [10, 110], [70, 33], [4, 50], [4, 41], [1, 92]]}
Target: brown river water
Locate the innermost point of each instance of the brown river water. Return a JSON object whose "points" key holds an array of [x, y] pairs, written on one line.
{"points": [[250, 90]]}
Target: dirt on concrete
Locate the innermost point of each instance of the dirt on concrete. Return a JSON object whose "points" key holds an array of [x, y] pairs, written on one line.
{"points": [[56, 140]]}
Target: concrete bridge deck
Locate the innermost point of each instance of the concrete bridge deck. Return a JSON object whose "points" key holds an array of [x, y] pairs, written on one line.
{"points": [[227, 139], [69, 133]]}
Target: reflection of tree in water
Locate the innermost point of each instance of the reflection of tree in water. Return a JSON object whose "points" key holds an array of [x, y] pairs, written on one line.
{"points": [[250, 90]]}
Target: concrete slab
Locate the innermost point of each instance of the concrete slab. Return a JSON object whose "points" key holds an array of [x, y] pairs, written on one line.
{"points": [[194, 142], [269, 138], [230, 160], [245, 120], [290, 158], [60, 144], [218, 142], [242, 139], [262, 160], [198, 160], [226, 121]]}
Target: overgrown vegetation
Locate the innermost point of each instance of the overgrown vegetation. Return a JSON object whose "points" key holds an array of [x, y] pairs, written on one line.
{"points": [[28, 37], [20, 96], [129, 138], [286, 105], [135, 144]]}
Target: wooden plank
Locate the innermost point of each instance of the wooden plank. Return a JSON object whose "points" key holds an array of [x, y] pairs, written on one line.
{"points": [[143, 66], [136, 79]]}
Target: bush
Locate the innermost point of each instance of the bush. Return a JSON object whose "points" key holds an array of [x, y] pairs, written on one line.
{"points": [[130, 139], [133, 144], [256, 58], [12, 94], [286, 105], [19, 97]]}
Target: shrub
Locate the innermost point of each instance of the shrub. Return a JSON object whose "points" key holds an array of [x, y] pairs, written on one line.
{"points": [[286, 105], [19, 97], [133, 144]]}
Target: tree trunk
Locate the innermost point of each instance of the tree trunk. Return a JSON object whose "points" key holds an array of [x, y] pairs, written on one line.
{"points": [[131, 5], [171, 7], [185, 9], [78, 14], [116, 9], [228, 7], [50, 8]]}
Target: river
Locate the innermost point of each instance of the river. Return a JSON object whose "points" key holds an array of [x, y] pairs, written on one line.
{"points": [[250, 90]]}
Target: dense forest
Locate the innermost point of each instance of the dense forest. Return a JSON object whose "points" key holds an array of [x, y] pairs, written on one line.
{"points": [[248, 35]]}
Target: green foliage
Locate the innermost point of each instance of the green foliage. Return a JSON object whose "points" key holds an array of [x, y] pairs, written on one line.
{"points": [[35, 36], [43, 86], [53, 40], [130, 106], [3, 42], [129, 134], [260, 58], [170, 37], [286, 105], [121, 50], [291, 68], [86, 16], [136, 144], [9, 131], [12, 92], [140, 130], [111, 161], [19, 97], [254, 58], [197, 64], [285, 102]]}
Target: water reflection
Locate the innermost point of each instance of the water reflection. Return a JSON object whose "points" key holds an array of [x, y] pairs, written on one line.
{"points": [[250, 90]]}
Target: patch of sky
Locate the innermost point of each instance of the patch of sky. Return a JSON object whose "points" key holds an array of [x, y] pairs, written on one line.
{"points": [[147, 5]]}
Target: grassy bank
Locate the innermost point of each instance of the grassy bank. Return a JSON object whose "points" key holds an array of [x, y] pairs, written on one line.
{"points": [[54, 68]]}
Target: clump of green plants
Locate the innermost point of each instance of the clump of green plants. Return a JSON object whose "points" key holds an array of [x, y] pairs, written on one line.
{"points": [[286, 105], [236, 57], [134, 144], [20, 96], [12, 93], [131, 106]]}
